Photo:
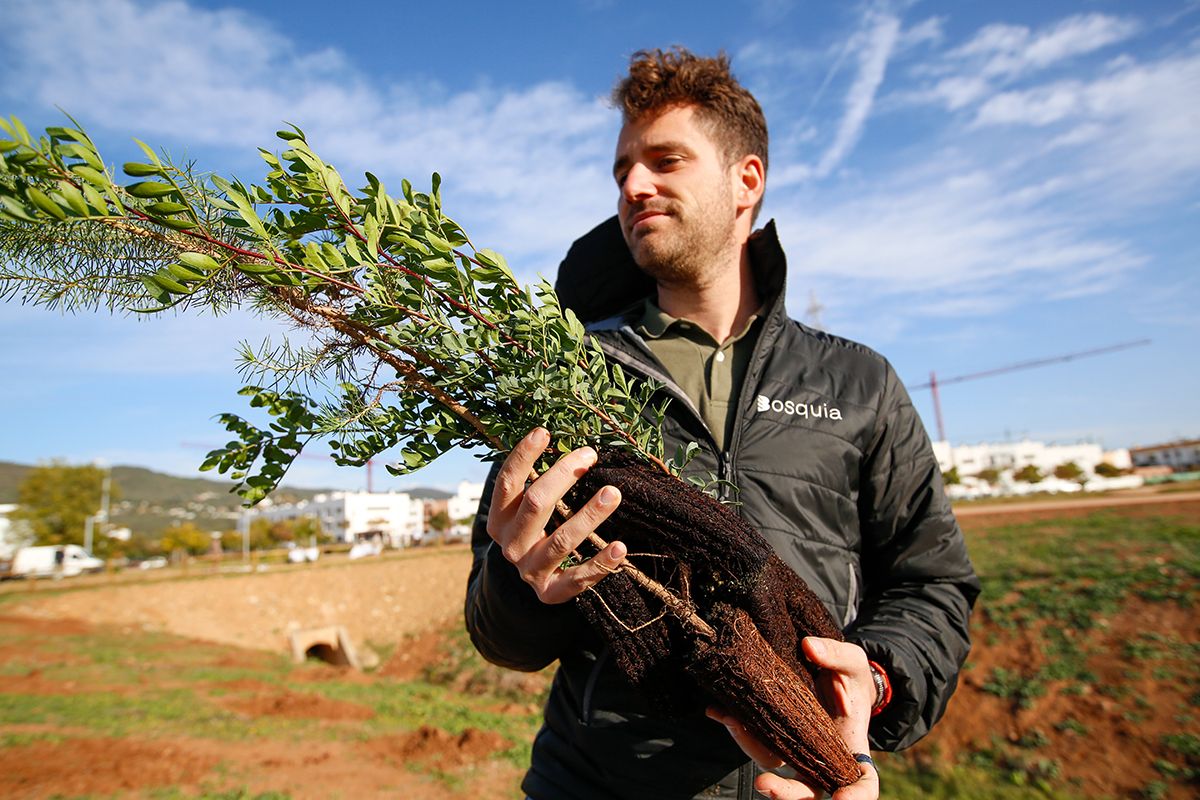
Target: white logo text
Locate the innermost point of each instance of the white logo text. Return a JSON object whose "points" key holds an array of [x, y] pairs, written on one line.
{"points": [[792, 408]]}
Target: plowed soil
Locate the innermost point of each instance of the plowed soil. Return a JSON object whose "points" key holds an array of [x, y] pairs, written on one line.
{"points": [[416, 599]]}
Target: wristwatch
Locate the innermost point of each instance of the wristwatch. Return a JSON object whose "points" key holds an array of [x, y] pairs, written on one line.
{"points": [[883, 688]]}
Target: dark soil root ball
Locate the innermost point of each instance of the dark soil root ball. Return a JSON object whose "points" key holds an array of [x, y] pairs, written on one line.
{"points": [[661, 514], [705, 553], [744, 675]]}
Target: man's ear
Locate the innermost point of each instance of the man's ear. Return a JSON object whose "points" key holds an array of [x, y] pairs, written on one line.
{"points": [[750, 181]]}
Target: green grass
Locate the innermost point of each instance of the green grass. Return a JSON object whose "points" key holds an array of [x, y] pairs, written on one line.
{"points": [[1057, 585], [901, 779], [1064, 578]]}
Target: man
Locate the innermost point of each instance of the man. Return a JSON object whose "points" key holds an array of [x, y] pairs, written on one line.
{"points": [[832, 463]]}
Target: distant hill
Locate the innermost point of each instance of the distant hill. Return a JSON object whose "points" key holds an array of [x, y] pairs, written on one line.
{"points": [[428, 493], [148, 502], [140, 485]]}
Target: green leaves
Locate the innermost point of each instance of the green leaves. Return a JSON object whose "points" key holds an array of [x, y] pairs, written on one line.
{"points": [[150, 189], [258, 459], [135, 170], [417, 341], [199, 261], [44, 203]]}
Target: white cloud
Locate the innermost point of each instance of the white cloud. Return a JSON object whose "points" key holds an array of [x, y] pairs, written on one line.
{"points": [[1132, 129], [999, 54], [1012, 50], [224, 78], [928, 31], [949, 242], [871, 45], [1041, 106], [876, 48]]}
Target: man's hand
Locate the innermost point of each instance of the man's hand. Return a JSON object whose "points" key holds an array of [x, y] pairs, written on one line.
{"points": [[846, 690], [518, 517]]}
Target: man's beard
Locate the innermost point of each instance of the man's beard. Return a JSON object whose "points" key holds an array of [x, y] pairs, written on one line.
{"points": [[691, 248]]}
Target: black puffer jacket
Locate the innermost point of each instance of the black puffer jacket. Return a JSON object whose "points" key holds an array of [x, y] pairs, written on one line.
{"points": [[834, 468]]}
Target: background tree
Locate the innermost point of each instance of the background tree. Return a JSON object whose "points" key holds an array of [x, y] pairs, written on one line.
{"points": [[56, 499], [1028, 474], [266, 534], [951, 477], [187, 537], [1070, 471], [440, 522], [1107, 470], [990, 476], [308, 529]]}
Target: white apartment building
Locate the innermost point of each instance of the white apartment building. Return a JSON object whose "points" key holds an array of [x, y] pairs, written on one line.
{"points": [[1181, 456], [971, 459], [1010, 457], [462, 506], [394, 517]]}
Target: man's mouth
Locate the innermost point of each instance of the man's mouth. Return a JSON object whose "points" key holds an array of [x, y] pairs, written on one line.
{"points": [[645, 215]]}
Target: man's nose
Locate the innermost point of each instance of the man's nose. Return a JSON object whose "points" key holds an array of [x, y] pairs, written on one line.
{"points": [[638, 185]]}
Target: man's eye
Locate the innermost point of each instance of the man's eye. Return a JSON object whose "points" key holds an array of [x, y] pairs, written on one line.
{"points": [[667, 162]]}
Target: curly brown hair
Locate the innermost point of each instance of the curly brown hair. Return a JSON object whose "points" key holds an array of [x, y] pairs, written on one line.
{"points": [[659, 80]]}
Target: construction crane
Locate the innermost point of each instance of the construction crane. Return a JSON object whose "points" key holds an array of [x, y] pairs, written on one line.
{"points": [[934, 383]]}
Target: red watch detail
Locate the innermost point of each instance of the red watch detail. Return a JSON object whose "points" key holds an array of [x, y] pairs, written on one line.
{"points": [[883, 688]]}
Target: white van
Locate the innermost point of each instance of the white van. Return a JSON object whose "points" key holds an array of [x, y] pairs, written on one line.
{"points": [[54, 561]]}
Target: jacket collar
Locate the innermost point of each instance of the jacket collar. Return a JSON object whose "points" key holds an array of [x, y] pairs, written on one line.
{"points": [[599, 279]]}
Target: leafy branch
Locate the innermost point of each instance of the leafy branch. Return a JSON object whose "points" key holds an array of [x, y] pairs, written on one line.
{"points": [[381, 285], [375, 280]]}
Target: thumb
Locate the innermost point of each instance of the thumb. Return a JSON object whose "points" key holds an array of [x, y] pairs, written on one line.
{"points": [[831, 654]]}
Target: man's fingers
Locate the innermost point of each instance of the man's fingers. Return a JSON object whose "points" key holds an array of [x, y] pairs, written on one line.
{"points": [[511, 478], [551, 551], [866, 788], [778, 788], [756, 750], [570, 583], [518, 516], [540, 566], [528, 524]]}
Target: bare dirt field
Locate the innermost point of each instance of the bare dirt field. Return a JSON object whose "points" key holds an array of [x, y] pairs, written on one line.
{"points": [[379, 602], [180, 687]]}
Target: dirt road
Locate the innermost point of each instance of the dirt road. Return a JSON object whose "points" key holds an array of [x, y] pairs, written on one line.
{"points": [[1085, 503]]}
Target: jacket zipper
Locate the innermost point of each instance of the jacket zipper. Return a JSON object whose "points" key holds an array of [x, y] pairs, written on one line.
{"points": [[851, 597], [725, 474], [589, 688], [650, 370]]}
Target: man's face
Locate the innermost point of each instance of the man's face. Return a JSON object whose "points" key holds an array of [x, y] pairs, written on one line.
{"points": [[677, 204]]}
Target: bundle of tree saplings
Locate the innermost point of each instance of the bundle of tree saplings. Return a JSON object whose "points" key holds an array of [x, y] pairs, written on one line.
{"points": [[410, 337]]}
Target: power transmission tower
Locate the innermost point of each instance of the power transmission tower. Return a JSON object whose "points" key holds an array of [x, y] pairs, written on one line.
{"points": [[812, 314]]}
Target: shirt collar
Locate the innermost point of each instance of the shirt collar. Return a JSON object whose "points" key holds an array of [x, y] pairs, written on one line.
{"points": [[655, 322]]}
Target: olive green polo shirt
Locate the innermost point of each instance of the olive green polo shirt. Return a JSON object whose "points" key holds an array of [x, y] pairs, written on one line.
{"points": [[710, 373]]}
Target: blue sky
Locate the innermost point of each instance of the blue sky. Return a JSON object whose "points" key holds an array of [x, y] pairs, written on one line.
{"points": [[961, 185]]}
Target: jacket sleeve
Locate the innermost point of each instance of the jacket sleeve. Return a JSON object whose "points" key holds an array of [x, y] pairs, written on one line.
{"points": [[508, 624], [919, 582]]}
